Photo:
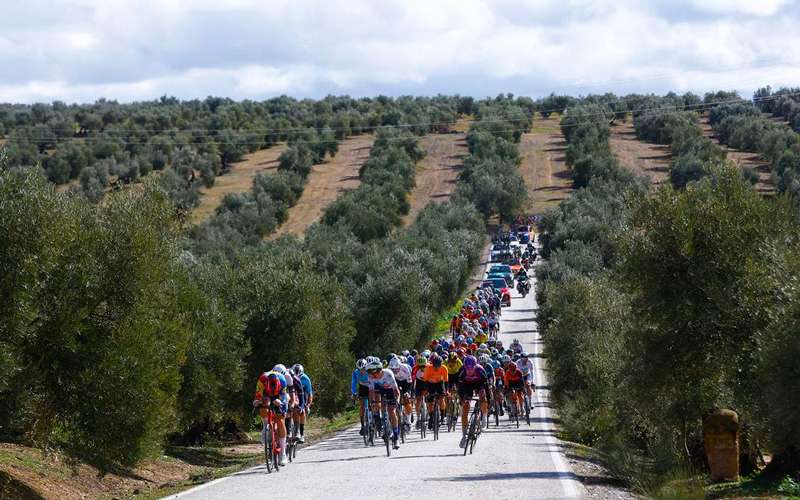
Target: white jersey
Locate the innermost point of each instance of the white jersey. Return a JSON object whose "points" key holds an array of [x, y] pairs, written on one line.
{"points": [[525, 365], [385, 382], [403, 374]]}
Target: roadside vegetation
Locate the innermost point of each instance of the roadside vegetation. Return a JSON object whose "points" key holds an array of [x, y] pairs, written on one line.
{"points": [[658, 306]]}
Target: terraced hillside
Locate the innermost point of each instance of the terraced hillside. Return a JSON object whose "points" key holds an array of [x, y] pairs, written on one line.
{"points": [[640, 157], [543, 164], [325, 183], [437, 173]]}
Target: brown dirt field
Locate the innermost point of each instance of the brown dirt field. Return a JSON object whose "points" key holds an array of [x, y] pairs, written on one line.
{"points": [[640, 157], [238, 179], [744, 159], [543, 165], [437, 173], [325, 183]]}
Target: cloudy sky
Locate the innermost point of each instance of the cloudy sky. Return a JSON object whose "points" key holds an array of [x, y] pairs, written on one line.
{"points": [[80, 50]]}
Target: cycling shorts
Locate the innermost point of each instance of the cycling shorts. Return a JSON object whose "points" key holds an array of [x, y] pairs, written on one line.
{"points": [[404, 386], [527, 378], [436, 389], [452, 381], [280, 409], [363, 391], [301, 401], [515, 384], [467, 389], [387, 395], [421, 388]]}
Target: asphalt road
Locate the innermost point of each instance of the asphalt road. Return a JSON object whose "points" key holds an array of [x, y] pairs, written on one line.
{"points": [[507, 462]]}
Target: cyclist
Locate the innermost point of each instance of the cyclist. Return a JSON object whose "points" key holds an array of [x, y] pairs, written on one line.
{"points": [[513, 384], [383, 385], [420, 386], [471, 379], [359, 388], [485, 362], [271, 391], [435, 377], [515, 346], [402, 373], [525, 365], [306, 399]]}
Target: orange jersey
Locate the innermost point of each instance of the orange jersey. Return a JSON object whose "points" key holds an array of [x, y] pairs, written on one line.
{"points": [[512, 375], [435, 375]]}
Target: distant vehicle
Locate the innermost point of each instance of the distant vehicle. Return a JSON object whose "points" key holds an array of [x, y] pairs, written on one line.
{"points": [[503, 269], [500, 284], [509, 279]]}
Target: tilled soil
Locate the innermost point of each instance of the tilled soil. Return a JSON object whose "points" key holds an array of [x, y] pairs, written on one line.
{"points": [[437, 173], [326, 182], [640, 157], [543, 165]]}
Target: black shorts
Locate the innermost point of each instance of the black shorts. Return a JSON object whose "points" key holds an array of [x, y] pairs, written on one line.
{"points": [[467, 389], [387, 395], [436, 389], [404, 386], [452, 381], [363, 391], [515, 384], [420, 388]]}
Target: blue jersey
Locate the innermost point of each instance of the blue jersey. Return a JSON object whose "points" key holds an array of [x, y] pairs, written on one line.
{"points": [[357, 379], [305, 381]]}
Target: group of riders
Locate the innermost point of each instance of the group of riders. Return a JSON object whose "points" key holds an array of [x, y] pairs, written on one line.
{"points": [[449, 374], [472, 362]]}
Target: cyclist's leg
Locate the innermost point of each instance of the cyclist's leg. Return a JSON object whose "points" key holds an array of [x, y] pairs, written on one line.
{"points": [[465, 392]]}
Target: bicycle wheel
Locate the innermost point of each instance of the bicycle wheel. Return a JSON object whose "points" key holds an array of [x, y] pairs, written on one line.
{"points": [[387, 435], [423, 421], [527, 410], [267, 448], [435, 419], [496, 413]]}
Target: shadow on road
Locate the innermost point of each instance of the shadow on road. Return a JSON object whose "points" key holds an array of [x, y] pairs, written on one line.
{"points": [[502, 476]]}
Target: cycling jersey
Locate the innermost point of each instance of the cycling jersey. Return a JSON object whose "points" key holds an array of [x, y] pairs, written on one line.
{"points": [[402, 374], [435, 375], [525, 366], [270, 384], [305, 382], [472, 375], [359, 378], [418, 373], [512, 375], [384, 383], [481, 338], [453, 366]]}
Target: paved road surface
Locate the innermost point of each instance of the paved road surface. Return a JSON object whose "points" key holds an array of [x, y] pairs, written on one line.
{"points": [[507, 462]]}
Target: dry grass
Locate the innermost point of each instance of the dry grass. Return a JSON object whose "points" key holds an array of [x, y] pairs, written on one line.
{"points": [[640, 157], [238, 179], [543, 165], [325, 183], [437, 173], [744, 159]]}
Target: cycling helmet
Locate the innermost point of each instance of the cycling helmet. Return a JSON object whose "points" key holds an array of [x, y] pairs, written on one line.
{"points": [[361, 364], [484, 359], [453, 356], [439, 349], [524, 354], [426, 353], [493, 351], [279, 368], [436, 360], [473, 347], [470, 362], [405, 353], [470, 340], [505, 359], [392, 356], [297, 369], [491, 342], [394, 364], [374, 365], [483, 346], [460, 338], [434, 343], [515, 342], [515, 357]]}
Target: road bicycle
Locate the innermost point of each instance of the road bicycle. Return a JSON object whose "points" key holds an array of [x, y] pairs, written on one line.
{"points": [[436, 416], [453, 409], [474, 427], [367, 425], [527, 407], [269, 436], [423, 419], [383, 426]]}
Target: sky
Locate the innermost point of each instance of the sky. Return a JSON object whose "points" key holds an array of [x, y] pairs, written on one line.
{"points": [[129, 50]]}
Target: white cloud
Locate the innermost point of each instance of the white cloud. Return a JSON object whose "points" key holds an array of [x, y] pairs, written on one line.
{"points": [[141, 49]]}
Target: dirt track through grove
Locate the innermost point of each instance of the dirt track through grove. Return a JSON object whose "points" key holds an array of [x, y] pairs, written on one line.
{"points": [[743, 159], [640, 157], [325, 183], [543, 166], [437, 173], [237, 180]]}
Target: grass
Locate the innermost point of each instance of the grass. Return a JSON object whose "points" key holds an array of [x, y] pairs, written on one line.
{"points": [[755, 486]]}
